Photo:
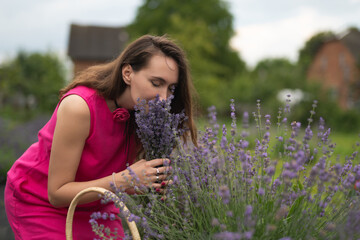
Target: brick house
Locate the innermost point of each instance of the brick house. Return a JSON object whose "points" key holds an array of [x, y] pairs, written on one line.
{"points": [[337, 67], [91, 45]]}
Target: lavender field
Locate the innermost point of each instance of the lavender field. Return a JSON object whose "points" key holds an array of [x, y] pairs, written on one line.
{"points": [[262, 177]]}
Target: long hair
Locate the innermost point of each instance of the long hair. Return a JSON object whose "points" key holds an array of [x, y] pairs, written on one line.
{"points": [[108, 81]]}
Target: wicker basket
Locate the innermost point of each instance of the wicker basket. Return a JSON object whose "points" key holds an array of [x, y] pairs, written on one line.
{"points": [[70, 215]]}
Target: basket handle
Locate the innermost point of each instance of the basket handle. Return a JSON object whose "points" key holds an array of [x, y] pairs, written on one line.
{"points": [[70, 214]]}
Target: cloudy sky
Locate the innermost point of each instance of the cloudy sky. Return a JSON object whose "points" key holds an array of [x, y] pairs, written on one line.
{"points": [[276, 28]]}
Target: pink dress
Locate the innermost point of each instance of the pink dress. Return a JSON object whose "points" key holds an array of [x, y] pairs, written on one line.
{"points": [[108, 148]]}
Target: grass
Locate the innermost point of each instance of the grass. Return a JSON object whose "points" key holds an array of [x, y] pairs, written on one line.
{"points": [[345, 142]]}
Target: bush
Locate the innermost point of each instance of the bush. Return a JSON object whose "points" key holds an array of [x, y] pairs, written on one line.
{"points": [[225, 189], [15, 138]]}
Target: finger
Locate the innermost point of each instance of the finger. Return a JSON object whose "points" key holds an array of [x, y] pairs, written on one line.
{"points": [[158, 189], [165, 170], [166, 183], [156, 171], [166, 162], [158, 162], [162, 170], [159, 178]]}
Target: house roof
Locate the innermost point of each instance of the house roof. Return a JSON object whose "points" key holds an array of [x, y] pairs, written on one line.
{"points": [[352, 41], [96, 43]]}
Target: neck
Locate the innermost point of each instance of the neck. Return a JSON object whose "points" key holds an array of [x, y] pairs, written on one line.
{"points": [[116, 105], [125, 100]]}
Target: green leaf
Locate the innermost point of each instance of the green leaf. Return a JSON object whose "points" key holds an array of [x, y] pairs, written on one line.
{"points": [[295, 206]]}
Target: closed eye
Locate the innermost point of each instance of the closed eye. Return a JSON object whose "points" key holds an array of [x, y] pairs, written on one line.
{"points": [[156, 81]]}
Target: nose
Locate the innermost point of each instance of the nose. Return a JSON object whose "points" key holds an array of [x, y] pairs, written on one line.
{"points": [[163, 95]]}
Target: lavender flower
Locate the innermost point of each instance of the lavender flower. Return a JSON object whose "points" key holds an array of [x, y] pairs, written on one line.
{"points": [[224, 193], [228, 236], [158, 128], [238, 186]]}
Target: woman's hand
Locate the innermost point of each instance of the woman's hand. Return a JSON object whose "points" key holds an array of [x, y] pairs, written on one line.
{"points": [[147, 174]]}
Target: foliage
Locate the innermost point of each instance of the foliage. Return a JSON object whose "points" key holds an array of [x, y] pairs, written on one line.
{"points": [[278, 73], [29, 86], [307, 53], [289, 186], [204, 29], [30, 83], [272, 75], [337, 118], [15, 138]]}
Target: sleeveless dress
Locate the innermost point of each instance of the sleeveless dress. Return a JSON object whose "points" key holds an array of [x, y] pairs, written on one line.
{"points": [[108, 148]]}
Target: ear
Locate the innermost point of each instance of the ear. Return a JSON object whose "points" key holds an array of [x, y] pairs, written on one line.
{"points": [[126, 73]]}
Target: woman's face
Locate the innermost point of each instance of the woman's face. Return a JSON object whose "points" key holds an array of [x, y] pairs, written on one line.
{"points": [[159, 77]]}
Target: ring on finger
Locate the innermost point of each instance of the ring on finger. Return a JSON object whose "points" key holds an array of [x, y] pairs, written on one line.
{"points": [[157, 178], [157, 171]]}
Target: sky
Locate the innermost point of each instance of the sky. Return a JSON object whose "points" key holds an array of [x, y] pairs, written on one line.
{"points": [[264, 28]]}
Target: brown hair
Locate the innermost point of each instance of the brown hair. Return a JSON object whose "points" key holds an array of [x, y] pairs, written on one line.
{"points": [[108, 81]]}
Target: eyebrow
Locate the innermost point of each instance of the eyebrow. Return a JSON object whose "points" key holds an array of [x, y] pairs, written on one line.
{"points": [[162, 80], [158, 78]]}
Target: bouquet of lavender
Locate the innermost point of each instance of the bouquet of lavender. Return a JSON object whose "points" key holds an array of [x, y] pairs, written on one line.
{"points": [[158, 128]]}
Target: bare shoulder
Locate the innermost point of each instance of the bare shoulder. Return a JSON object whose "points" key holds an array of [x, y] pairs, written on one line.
{"points": [[74, 106], [73, 118]]}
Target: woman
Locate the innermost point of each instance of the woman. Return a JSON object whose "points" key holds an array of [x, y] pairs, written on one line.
{"points": [[90, 140]]}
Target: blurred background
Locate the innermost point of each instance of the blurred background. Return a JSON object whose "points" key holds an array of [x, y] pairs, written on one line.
{"points": [[241, 49]]}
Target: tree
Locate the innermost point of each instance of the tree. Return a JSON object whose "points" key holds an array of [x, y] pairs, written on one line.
{"points": [[308, 52], [204, 29], [30, 82], [272, 75]]}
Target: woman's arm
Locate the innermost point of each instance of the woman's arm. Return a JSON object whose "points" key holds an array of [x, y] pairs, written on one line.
{"points": [[71, 131]]}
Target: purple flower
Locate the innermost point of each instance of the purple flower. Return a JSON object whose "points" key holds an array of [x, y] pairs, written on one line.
{"points": [[215, 222], [233, 117], [245, 120], [287, 174], [224, 193], [134, 218], [270, 171], [105, 216], [228, 236], [229, 213], [248, 211], [158, 128], [225, 181], [92, 221], [308, 134], [112, 217], [261, 192], [325, 136], [248, 234]]}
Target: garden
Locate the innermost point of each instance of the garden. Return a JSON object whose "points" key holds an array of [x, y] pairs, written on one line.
{"points": [[262, 177], [262, 169]]}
